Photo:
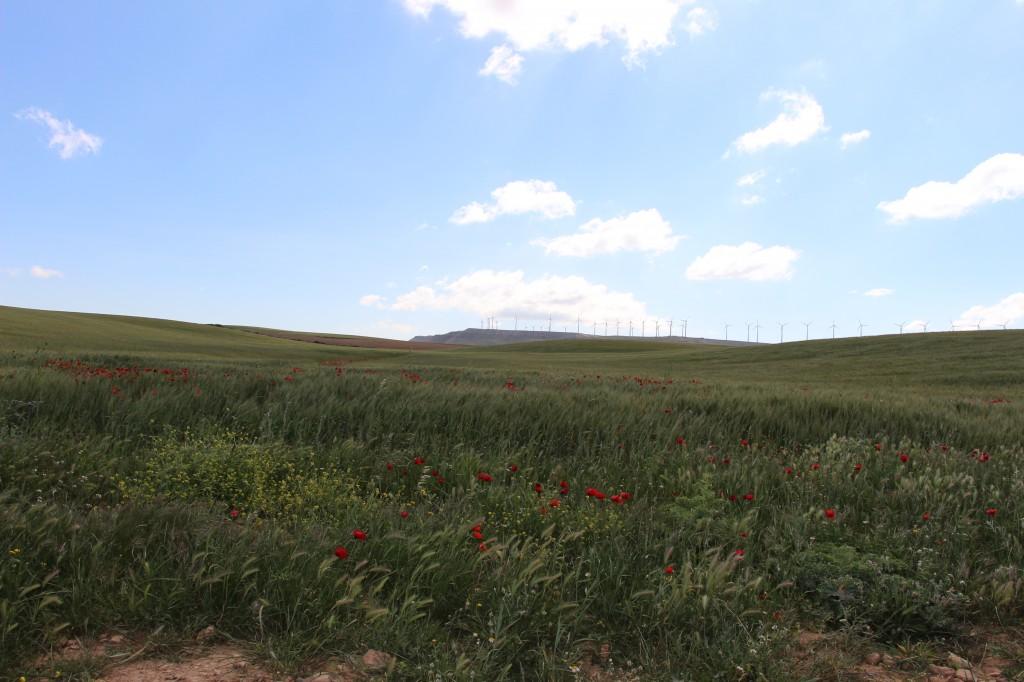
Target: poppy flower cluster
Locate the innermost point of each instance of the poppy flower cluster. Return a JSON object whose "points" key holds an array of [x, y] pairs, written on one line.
{"points": [[478, 535], [595, 493], [484, 477]]}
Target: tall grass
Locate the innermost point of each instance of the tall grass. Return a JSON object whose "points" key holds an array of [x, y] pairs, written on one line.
{"points": [[134, 499]]}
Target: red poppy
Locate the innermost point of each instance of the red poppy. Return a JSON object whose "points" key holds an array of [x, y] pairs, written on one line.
{"points": [[680, 440], [744, 534], [341, 552], [789, 471], [744, 443], [554, 503], [992, 511], [359, 535], [477, 535], [878, 447], [857, 467], [726, 461], [904, 457], [538, 488], [830, 513], [617, 499], [925, 516], [404, 514], [983, 457], [670, 569], [233, 513], [749, 497], [626, 496], [739, 554], [732, 498], [477, 527], [815, 466], [389, 466], [418, 461], [513, 468], [482, 547], [484, 477]]}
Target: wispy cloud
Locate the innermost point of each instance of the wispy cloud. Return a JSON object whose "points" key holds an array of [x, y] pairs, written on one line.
{"points": [[879, 292], [40, 272], [801, 119], [509, 293], [69, 140], [749, 261], [849, 139], [518, 197], [999, 178], [644, 231]]}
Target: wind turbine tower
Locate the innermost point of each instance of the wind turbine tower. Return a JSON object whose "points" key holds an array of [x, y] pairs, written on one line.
{"points": [[782, 327], [807, 330], [833, 328]]}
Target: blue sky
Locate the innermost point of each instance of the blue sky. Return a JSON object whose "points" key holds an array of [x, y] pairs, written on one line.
{"points": [[396, 167]]}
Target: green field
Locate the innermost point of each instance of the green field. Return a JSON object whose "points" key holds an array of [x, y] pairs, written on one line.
{"points": [[868, 488]]}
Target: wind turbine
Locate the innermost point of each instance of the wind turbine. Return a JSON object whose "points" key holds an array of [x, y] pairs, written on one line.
{"points": [[670, 327], [757, 331], [657, 328], [782, 326], [616, 327], [643, 327], [606, 327], [860, 327], [684, 328], [924, 326], [833, 328], [1004, 325], [727, 325], [748, 332], [549, 323], [901, 325], [807, 330], [952, 326], [631, 327], [595, 328]]}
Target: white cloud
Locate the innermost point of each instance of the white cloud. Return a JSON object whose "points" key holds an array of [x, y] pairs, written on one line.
{"points": [[63, 134], [801, 119], [40, 272], [1006, 311], [371, 299], [752, 200], [509, 293], [639, 231], [879, 292], [751, 179], [849, 139], [748, 260], [641, 25], [518, 197], [505, 64], [699, 21], [999, 178], [395, 328]]}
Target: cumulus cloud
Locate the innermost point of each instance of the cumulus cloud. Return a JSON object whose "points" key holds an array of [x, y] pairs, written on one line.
{"points": [[371, 299], [518, 197], [69, 140], [700, 20], [1006, 311], [639, 231], [849, 139], [999, 178], [752, 200], [40, 272], [642, 26], [749, 261], [801, 119], [505, 64], [879, 292], [509, 293], [751, 179]]}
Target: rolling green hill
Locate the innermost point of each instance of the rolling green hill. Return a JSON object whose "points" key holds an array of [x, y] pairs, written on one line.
{"points": [[989, 362]]}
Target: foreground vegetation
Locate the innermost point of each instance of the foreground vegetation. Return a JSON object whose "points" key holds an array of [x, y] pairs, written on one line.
{"points": [[684, 519]]}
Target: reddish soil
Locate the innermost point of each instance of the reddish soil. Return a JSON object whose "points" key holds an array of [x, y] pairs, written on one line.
{"points": [[358, 341]]}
